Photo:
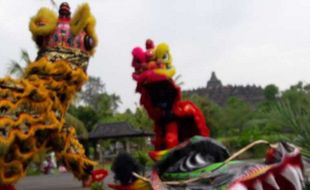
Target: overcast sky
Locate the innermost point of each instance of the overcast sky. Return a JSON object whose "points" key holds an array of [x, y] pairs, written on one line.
{"points": [[243, 41]]}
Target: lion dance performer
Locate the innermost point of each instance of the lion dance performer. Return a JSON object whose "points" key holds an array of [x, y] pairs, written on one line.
{"points": [[32, 108], [185, 157], [175, 120]]}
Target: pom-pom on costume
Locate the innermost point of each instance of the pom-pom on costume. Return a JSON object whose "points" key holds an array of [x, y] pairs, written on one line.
{"points": [[175, 120], [32, 108]]}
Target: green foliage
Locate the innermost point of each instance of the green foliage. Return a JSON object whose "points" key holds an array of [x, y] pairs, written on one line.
{"points": [[33, 170], [138, 119], [34, 167], [79, 126], [97, 106], [106, 105], [94, 104], [293, 114], [143, 159], [91, 91], [212, 112], [287, 118], [235, 115], [95, 96], [86, 114], [280, 117], [96, 186], [270, 92]]}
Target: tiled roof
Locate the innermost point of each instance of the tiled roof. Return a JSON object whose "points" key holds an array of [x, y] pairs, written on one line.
{"points": [[116, 130]]}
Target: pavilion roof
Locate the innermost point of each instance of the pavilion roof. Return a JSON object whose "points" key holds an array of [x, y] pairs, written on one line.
{"points": [[116, 130]]}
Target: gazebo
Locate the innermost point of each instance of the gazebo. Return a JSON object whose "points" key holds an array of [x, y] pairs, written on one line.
{"points": [[119, 131], [116, 130]]}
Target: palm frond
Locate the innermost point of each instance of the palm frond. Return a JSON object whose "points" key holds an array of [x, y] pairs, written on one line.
{"points": [[25, 56], [15, 68], [297, 119], [53, 2], [178, 80], [178, 77]]}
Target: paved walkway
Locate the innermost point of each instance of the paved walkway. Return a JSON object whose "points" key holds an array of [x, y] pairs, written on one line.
{"points": [[64, 181]]}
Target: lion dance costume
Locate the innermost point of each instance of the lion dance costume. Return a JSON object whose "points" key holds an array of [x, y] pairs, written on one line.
{"points": [[175, 120], [185, 157], [32, 108]]}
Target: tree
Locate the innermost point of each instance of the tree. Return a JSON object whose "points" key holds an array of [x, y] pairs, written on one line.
{"points": [[211, 111], [95, 104], [293, 114], [106, 105], [270, 92], [86, 114], [91, 91], [235, 115], [297, 94], [79, 126], [138, 119], [296, 119]]}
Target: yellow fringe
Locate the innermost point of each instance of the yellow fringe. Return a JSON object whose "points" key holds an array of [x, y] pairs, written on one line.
{"points": [[80, 18], [29, 155], [45, 106], [14, 164], [43, 23], [84, 20]]}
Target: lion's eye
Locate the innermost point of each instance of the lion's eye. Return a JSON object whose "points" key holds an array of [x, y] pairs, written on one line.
{"points": [[138, 62], [166, 57]]}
